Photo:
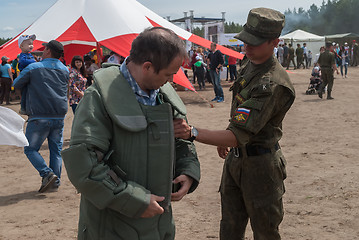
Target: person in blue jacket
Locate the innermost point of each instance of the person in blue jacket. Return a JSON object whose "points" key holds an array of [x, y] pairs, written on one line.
{"points": [[46, 106]]}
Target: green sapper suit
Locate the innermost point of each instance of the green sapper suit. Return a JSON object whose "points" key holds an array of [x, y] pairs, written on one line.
{"points": [[109, 117]]}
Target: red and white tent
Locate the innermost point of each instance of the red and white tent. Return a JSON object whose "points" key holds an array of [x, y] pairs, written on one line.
{"points": [[82, 25]]}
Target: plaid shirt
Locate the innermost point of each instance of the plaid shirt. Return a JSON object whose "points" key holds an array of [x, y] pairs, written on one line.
{"points": [[141, 96]]}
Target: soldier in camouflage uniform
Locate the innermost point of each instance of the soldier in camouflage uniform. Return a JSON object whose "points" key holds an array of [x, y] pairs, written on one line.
{"points": [[291, 56], [299, 52], [327, 65], [252, 181]]}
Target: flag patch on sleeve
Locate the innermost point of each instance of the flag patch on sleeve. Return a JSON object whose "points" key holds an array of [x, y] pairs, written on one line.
{"points": [[241, 115]]}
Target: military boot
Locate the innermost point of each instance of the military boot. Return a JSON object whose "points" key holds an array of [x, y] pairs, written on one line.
{"points": [[329, 95], [320, 93]]}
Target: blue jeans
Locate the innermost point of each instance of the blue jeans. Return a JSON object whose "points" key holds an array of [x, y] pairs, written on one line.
{"points": [[36, 133], [346, 69], [216, 81]]}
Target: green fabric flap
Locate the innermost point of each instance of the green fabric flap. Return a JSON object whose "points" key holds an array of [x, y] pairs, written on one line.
{"points": [[172, 97], [114, 89], [253, 104], [244, 93]]}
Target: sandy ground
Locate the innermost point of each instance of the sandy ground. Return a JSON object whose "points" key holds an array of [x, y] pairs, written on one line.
{"points": [[320, 143]]}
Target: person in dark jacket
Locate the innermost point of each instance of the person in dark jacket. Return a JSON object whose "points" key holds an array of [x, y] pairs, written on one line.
{"points": [[46, 106], [216, 62]]}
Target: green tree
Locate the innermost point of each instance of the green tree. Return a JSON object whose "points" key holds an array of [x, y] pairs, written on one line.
{"points": [[4, 40], [199, 31], [231, 27], [332, 17]]}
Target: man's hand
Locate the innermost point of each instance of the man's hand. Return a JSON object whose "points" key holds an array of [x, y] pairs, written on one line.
{"points": [[154, 208], [185, 182], [222, 152], [181, 128]]}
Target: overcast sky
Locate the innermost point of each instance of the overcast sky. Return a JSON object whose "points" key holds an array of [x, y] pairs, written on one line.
{"points": [[16, 15]]}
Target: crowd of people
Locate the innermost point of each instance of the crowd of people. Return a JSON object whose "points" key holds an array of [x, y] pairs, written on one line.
{"points": [[81, 70], [328, 61], [207, 65], [302, 57]]}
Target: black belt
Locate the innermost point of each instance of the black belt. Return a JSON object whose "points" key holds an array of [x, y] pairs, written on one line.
{"points": [[255, 150]]}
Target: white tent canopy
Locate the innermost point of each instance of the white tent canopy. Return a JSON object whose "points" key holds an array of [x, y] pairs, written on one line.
{"points": [[83, 25], [314, 42]]}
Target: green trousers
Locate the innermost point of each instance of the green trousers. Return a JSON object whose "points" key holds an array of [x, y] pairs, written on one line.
{"points": [[252, 189]]}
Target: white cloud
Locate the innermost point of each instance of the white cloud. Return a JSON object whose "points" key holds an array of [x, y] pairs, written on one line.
{"points": [[8, 29]]}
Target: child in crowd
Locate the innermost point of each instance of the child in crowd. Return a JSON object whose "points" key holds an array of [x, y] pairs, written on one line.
{"points": [[200, 68], [26, 45], [309, 58]]}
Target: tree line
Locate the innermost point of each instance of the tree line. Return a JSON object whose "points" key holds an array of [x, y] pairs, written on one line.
{"points": [[332, 17], [4, 40]]}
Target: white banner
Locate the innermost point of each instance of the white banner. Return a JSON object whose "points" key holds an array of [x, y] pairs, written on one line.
{"points": [[228, 39], [12, 128]]}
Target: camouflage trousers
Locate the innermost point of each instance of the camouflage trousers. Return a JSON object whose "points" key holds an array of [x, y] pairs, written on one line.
{"points": [[328, 79], [251, 189]]}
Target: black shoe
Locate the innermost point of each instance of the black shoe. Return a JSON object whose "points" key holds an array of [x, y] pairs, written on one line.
{"points": [[320, 94], [47, 182]]}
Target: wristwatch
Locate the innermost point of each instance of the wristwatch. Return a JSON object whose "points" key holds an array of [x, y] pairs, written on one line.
{"points": [[194, 134]]}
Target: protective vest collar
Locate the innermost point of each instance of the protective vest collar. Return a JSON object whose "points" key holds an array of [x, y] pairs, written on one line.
{"points": [[115, 90]]}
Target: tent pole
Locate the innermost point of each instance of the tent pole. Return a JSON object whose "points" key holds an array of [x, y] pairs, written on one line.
{"points": [[99, 54]]}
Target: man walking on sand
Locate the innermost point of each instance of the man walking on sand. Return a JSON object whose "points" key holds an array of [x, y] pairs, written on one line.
{"points": [[46, 106], [216, 61], [327, 65]]}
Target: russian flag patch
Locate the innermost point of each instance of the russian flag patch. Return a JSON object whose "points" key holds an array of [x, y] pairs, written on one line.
{"points": [[241, 115]]}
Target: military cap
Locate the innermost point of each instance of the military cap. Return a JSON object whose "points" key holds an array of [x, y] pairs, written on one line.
{"points": [[262, 24]]}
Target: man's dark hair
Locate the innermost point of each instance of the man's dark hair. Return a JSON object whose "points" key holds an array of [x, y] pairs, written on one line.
{"points": [[55, 54], [157, 45]]}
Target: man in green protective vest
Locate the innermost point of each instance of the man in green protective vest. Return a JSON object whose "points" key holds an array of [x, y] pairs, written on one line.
{"points": [[252, 181], [123, 156]]}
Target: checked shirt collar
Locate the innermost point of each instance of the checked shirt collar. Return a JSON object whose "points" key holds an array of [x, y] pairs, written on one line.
{"points": [[141, 96]]}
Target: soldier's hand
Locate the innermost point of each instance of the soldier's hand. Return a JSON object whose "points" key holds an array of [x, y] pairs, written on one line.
{"points": [[154, 208], [181, 128], [222, 152], [185, 182]]}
